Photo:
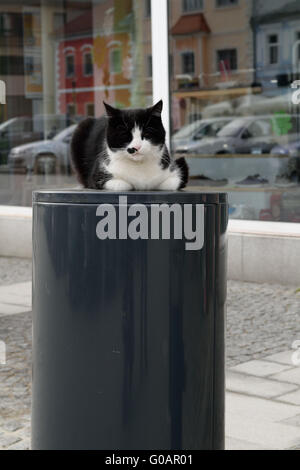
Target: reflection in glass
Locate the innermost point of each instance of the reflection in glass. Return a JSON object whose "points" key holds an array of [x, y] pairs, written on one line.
{"points": [[59, 60], [236, 61]]}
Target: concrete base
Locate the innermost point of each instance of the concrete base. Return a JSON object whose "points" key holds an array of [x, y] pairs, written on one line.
{"points": [[257, 251], [15, 231], [264, 252]]}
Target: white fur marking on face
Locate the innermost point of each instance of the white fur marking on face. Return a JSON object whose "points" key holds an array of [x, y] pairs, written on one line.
{"points": [[136, 139]]}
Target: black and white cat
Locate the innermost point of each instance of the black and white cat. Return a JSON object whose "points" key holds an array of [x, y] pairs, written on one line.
{"points": [[126, 150]]}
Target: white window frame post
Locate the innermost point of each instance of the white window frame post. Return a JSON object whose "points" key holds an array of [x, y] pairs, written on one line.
{"points": [[2, 92], [160, 59]]}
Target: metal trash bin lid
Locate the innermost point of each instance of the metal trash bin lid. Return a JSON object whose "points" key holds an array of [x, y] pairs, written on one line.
{"points": [[87, 196]]}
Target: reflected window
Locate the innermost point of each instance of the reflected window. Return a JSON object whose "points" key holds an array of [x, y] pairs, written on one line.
{"points": [[115, 61], [87, 64], [273, 49], [298, 47], [147, 8], [260, 128], [90, 109], [149, 66], [11, 65], [227, 60], [191, 5], [226, 3], [71, 109], [188, 62], [11, 24], [171, 65], [59, 19], [70, 65]]}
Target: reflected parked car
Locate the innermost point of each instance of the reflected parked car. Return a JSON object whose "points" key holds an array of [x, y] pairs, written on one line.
{"points": [[189, 136], [249, 135], [24, 129], [14, 132], [45, 156]]}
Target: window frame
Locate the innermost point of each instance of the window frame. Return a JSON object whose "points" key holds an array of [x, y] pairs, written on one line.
{"points": [[147, 9], [232, 70], [111, 63], [70, 54], [149, 68], [84, 54], [229, 5], [270, 45], [297, 39], [75, 109], [86, 107], [191, 11], [182, 53]]}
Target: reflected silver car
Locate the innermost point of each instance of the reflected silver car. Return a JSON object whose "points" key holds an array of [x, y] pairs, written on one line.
{"points": [[189, 136], [44, 156], [249, 135]]}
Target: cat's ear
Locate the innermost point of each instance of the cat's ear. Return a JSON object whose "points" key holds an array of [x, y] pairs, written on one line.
{"points": [[157, 109], [110, 110]]}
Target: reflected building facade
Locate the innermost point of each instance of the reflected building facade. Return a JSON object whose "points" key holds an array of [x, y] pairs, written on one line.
{"points": [[212, 55]]}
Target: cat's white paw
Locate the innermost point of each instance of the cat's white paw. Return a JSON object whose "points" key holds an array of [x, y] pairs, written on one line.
{"points": [[172, 183], [117, 185]]}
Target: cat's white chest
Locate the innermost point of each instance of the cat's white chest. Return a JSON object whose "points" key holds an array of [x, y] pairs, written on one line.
{"points": [[141, 175]]}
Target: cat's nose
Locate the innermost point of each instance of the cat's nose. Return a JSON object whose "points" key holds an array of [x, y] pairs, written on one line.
{"points": [[134, 149]]}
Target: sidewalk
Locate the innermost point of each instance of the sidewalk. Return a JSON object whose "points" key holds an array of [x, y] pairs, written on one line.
{"points": [[263, 404], [262, 399], [15, 375]]}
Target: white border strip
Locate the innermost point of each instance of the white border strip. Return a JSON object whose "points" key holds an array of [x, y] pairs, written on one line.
{"points": [[160, 59], [264, 228]]}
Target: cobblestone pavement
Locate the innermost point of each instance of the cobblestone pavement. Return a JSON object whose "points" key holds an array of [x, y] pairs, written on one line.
{"points": [[15, 378], [13, 270], [261, 320]]}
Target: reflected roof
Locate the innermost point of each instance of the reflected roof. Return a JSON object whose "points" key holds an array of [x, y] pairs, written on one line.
{"points": [[189, 24]]}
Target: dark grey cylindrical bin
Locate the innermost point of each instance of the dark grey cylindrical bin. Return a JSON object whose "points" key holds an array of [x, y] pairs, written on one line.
{"points": [[128, 334]]}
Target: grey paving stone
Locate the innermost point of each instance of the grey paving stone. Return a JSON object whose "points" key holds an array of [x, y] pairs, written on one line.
{"points": [[238, 444], [284, 357], [241, 383], [266, 434], [292, 376], [257, 421], [260, 368], [293, 397], [7, 440], [21, 445], [11, 426], [16, 295], [245, 407], [12, 309], [293, 421]]}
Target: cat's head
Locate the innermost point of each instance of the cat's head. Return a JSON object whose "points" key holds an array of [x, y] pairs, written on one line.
{"points": [[135, 134]]}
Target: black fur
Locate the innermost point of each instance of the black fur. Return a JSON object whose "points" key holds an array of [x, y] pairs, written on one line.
{"points": [[184, 171], [93, 136]]}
